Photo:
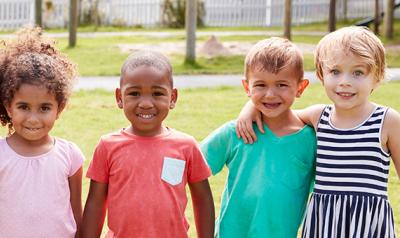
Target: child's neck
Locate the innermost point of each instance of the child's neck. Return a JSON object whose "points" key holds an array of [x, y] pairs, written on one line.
{"points": [[159, 131], [350, 118], [30, 148], [285, 124]]}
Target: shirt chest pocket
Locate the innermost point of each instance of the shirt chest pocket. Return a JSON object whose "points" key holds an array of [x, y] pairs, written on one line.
{"points": [[172, 170]]}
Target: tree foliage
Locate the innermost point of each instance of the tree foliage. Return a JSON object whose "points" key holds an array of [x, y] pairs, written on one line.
{"points": [[173, 14]]}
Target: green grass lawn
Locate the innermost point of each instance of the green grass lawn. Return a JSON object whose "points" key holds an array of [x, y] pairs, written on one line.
{"points": [[101, 56], [198, 112]]}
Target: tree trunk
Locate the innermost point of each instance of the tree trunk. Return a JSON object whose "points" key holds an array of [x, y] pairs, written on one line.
{"points": [[288, 19], [388, 19], [332, 16], [38, 13], [190, 22], [73, 22], [345, 10], [377, 18]]}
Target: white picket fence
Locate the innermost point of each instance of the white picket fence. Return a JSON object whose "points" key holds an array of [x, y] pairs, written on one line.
{"points": [[147, 13]]}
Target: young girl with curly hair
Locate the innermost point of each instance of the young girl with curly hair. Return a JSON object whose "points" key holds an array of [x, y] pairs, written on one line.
{"points": [[40, 175]]}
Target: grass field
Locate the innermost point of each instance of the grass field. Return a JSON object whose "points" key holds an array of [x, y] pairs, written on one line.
{"points": [[198, 112]]}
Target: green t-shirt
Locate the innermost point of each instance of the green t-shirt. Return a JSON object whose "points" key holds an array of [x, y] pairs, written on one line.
{"points": [[268, 183]]}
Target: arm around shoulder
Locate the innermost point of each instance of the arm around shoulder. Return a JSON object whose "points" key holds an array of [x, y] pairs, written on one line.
{"points": [[311, 114], [203, 206], [392, 126]]}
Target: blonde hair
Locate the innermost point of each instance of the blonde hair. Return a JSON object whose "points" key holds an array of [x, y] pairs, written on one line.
{"points": [[273, 55], [359, 41]]}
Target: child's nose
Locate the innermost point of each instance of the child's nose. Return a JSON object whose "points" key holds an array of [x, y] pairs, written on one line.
{"points": [[269, 93], [345, 80], [33, 117], [146, 103]]}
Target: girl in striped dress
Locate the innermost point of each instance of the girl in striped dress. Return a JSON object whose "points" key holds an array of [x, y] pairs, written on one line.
{"points": [[355, 140]]}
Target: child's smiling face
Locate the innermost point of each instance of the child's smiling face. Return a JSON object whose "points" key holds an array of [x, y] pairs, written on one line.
{"points": [[348, 80], [33, 111], [274, 94], [146, 95]]}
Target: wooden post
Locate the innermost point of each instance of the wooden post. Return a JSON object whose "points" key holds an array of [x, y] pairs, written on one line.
{"points": [[38, 13], [332, 16], [73, 22], [388, 19], [288, 19], [190, 25], [377, 18]]}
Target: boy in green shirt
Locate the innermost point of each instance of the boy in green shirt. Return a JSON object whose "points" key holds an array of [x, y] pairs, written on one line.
{"points": [[268, 182]]}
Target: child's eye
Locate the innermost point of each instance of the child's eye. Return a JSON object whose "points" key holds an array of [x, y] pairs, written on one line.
{"points": [[23, 107], [335, 72], [135, 94], [282, 85], [260, 85], [45, 108], [157, 94], [358, 73]]}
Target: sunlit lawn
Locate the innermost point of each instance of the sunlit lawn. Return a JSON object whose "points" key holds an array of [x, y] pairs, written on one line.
{"points": [[101, 55], [198, 112]]}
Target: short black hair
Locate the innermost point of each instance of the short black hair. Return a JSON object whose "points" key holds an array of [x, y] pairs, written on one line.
{"points": [[147, 58]]}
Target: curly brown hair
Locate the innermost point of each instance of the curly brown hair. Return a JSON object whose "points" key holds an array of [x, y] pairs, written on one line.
{"points": [[29, 58]]}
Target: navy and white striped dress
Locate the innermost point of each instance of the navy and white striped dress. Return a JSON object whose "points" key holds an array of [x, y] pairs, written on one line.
{"points": [[350, 193]]}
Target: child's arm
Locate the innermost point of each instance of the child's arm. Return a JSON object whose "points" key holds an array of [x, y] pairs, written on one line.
{"points": [[249, 113], [392, 128], [75, 189], [203, 207], [95, 210], [244, 127], [311, 114]]}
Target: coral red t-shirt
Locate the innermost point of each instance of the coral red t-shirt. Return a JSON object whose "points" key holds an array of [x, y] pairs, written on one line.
{"points": [[146, 179]]}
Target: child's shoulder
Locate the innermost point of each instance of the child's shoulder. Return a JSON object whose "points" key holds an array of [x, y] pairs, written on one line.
{"points": [[180, 136], [392, 118], [68, 146], [63, 143]]}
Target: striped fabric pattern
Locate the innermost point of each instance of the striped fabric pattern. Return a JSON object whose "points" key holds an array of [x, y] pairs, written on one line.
{"points": [[350, 193]]}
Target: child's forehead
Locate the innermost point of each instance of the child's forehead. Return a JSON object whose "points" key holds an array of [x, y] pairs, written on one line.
{"points": [[285, 74], [343, 57], [145, 76]]}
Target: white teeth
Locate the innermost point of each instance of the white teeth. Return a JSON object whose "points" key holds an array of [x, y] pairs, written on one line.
{"points": [[146, 116], [33, 129], [346, 94]]}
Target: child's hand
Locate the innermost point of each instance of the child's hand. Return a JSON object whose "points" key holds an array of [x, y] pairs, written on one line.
{"points": [[244, 125]]}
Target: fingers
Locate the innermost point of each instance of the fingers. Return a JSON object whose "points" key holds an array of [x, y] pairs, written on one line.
{"points": [[260, 124], [251, 135], [240, 132], [245, 131]]}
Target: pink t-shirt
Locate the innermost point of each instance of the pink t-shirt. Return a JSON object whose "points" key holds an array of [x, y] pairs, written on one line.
{"points": [[34, 192], [146, 179]]}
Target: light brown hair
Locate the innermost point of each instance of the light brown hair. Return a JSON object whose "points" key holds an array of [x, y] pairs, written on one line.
{"points": [[356, 40], [273, 55]]}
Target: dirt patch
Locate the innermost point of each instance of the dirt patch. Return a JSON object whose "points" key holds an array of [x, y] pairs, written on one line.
{"points": [[211, 48]]}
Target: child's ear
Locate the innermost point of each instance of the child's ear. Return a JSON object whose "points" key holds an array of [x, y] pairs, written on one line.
{"points": [[302, 86], [118, 97], [245, 84], [8, 109], [60, 109], [174, 98]]}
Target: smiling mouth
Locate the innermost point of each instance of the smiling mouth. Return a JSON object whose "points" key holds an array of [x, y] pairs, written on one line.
{"points": [[345, 95], [32, 129], [145, 116], [271, 105]]}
